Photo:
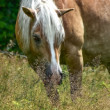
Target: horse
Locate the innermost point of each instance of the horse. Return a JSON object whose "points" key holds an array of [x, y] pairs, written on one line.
{"points": [[70, 32]]}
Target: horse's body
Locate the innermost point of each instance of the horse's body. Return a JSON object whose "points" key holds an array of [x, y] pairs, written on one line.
{"points": [[86, 29], [96, 19]]}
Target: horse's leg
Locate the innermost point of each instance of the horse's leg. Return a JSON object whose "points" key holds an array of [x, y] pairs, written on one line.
{"points": [[75, 64], [50, 89], [52, 93]]}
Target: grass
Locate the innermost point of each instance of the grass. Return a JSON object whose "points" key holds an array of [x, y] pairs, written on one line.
{"points": [[21, 88]]}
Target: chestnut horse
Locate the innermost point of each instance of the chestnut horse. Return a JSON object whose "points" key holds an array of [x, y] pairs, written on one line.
{"points": [[47, 36]]}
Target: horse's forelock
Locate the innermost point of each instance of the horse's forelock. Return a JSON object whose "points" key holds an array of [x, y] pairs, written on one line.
{"points": [[49, 21]]}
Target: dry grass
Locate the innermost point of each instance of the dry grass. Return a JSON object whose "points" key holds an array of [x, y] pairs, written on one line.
{"points": [[21, 88]]}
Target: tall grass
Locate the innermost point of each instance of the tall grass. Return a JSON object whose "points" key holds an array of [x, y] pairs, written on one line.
{"points": [[21, 88]]}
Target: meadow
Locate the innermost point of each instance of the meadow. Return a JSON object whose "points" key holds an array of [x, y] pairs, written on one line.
{"points": [[21, 88]]}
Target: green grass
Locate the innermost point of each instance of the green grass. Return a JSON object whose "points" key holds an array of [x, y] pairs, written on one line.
{"points": [[21, 88]]}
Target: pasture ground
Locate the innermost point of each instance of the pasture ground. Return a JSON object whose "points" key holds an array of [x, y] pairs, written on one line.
{"points": [[21, 88]]}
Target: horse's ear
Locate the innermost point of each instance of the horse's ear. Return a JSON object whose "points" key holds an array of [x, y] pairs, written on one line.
{"points": [[29, 12], [61, 12]]}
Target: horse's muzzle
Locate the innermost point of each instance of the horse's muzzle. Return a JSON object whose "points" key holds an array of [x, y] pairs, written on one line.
{"points": [[55, 78]]}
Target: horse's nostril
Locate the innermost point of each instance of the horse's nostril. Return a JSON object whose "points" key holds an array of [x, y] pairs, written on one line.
{"points": [[48, 71], [61, 74], [60, 82]]}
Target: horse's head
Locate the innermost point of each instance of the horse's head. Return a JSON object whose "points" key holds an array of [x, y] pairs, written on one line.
{"points": [[48, 33]]}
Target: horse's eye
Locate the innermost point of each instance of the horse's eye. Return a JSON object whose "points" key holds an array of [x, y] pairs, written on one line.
{"points": [[37, 38]]}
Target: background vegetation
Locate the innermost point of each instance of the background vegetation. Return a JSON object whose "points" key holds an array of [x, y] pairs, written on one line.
{"points": [[21, 88], [8, 14]]}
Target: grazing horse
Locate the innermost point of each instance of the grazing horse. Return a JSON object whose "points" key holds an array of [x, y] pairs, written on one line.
{"points": [[51, 31]]}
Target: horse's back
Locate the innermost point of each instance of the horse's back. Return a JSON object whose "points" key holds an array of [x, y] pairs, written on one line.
{"points": [[96, 17]]}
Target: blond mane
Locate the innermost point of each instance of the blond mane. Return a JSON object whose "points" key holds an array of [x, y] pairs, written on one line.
{"points": [[47, 18]]}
